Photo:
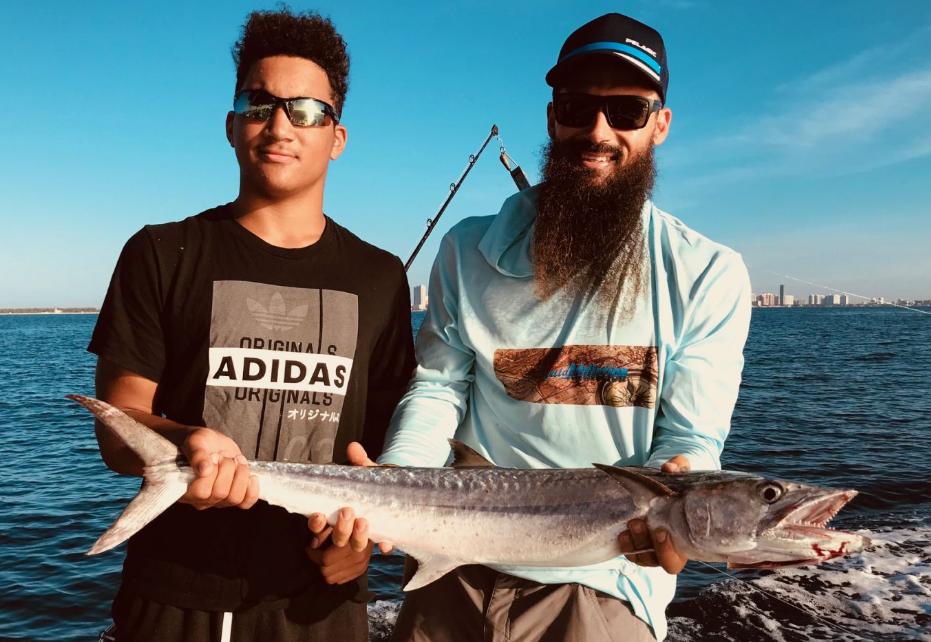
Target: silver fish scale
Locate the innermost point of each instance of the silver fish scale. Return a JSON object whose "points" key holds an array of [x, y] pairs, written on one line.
{"points": [[574, 516], [484, 489]]}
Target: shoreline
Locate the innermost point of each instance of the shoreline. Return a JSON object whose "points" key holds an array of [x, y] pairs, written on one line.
{"points": [[837, 307], [59, 312]]}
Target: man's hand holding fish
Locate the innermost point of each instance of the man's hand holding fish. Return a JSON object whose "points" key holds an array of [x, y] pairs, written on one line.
{"points": [[638, 537], [341, 551], [223, 478]]}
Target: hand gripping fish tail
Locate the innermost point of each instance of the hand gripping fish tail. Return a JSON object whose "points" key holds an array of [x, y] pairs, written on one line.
{"points": [[474, 509]]}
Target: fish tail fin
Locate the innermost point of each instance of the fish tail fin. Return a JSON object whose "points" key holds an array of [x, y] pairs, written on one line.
{"points": [[155, 496], [164, 479]]}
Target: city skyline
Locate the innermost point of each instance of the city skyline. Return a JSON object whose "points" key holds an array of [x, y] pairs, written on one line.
{"points": [[420, 301], [812, 163], [833, 299]]}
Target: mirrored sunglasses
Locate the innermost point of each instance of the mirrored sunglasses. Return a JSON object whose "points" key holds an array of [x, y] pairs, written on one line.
{"points": [[302, 112], [621, 112]]}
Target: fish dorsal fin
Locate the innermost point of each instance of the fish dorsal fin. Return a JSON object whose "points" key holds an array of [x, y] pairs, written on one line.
{"points": [[465, 457], [626, 475]]}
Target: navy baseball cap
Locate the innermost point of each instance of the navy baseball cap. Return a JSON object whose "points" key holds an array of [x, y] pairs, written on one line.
{"points": [[616, 37]]}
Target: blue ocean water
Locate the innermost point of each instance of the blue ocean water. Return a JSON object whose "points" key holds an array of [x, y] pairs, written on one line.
{"points": [[838, 397]]}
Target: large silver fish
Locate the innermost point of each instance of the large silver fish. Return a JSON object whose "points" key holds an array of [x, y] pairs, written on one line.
{"points": [[478, 513]]}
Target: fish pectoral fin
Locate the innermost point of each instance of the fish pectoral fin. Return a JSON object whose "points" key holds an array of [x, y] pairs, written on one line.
{"points": [[625, 476], [465, 457], [430, 567]]}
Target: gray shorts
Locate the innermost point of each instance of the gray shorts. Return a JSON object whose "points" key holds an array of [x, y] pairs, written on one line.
{"points": [[478, 604]]}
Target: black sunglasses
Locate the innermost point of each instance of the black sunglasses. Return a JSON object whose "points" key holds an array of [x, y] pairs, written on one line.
{"points": [[621, 112], [302, 112]]}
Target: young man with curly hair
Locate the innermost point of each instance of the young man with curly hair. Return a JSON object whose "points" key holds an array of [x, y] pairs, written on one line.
{"points": [[260, 329]]}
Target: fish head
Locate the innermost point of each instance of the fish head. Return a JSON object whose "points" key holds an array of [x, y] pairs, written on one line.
{"points": [[794, 530], [751, 522]]}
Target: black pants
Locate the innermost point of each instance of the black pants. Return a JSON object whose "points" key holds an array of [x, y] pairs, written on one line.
{"points": [[140, 620]]}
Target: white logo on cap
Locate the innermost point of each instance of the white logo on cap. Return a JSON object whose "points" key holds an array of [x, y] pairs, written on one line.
{"points": [[644, 47]]}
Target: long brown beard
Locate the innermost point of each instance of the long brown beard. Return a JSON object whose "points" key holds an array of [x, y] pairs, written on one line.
{"points": [[588, 238]]}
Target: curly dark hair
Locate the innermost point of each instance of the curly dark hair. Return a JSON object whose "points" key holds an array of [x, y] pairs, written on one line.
{"points": [[305, 35]]}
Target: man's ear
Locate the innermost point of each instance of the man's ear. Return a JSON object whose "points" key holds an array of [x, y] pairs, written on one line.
{"points": [[339, 141], [550, 120], [229, 128], [663, 121]]}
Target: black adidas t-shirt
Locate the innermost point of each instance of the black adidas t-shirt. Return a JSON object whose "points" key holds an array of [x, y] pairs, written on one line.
{"points": [[294, 353]]}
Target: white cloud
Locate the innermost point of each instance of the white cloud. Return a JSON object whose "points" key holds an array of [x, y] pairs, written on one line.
{"points": [[871, 63], [860, 112], [869, 111]]}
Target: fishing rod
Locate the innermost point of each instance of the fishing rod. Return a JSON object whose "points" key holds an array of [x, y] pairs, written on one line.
{"points": [[517, 174]]}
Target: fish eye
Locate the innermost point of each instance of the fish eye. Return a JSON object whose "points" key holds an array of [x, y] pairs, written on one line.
{"points": [[771, 492]]}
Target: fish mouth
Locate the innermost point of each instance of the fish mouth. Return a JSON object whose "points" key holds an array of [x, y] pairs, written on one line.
{"points": [[814, 514], [802, 529]]}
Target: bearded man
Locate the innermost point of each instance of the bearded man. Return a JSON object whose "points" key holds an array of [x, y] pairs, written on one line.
{"points": [[581, 324]]}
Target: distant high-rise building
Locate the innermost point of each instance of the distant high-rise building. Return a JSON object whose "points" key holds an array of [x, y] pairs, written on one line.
{"points": [[832, 299], [788, 299], [815, 299], [420, 298], [782, 295], [844, 299]]}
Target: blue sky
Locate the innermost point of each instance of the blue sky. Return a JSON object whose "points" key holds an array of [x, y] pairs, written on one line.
{"points": [[801, 131]]}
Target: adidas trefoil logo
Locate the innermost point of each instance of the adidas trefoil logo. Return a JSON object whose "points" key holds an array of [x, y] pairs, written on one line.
{"points": [[277, 316]]}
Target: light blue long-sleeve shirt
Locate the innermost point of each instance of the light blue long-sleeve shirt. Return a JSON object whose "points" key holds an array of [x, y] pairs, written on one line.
{"points": [[566, 382]]}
